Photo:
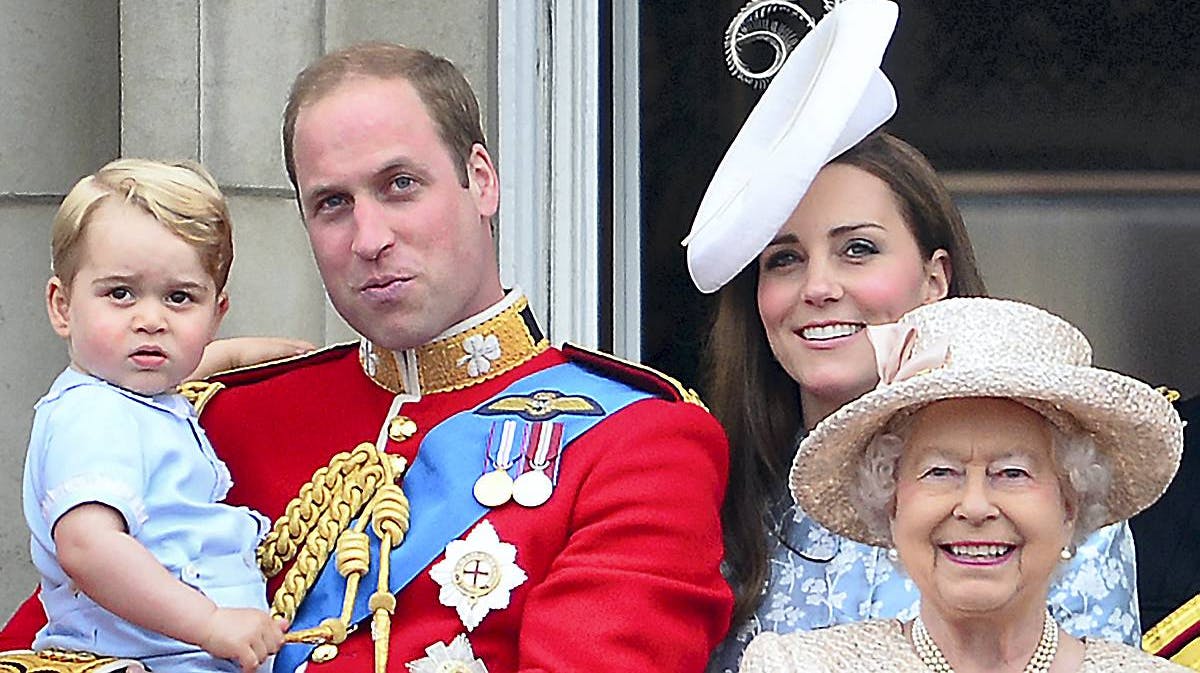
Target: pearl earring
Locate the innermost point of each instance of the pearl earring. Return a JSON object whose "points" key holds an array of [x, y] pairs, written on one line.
{"points": [[893, 555], [1067, 553]]}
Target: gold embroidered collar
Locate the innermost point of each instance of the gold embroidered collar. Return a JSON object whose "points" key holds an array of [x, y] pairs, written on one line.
{"points": [[477, 349]]}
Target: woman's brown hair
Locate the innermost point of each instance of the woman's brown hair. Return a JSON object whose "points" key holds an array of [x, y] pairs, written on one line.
{"points": [[755, 399]]}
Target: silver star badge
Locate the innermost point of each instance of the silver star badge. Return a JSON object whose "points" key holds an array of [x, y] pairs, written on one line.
{"points": [[478, 574], [457, 657]]}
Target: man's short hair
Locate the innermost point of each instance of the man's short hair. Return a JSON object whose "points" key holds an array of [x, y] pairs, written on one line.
{"points": [[182, 196], [447, 96]]}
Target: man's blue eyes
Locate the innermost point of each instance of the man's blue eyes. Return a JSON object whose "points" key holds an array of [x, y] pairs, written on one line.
{"points": [[332, 202], [402, 183]]}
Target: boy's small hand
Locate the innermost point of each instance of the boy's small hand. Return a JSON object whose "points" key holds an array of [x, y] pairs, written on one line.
{"points": [[244, 635]]}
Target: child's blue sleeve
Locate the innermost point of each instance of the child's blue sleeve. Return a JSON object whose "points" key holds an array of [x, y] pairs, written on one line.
{"points": [[91, 451]]}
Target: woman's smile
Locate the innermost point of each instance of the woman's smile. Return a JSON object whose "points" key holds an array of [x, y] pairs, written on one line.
{"points": [[828, 335], [978, 554]]}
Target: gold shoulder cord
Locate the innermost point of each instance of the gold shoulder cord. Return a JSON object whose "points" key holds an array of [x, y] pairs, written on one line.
{"points": [[63, 661], [198, 393], [361, 483]]}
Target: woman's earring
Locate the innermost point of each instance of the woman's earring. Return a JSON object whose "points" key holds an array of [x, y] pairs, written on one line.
{"points": [[893, 555], [1067, 553]]}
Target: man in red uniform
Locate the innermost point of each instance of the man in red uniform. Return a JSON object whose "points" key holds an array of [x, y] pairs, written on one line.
{"points": [[556, 510]]}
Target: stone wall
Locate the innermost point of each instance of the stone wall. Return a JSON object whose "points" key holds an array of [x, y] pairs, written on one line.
{"points": [[85, 82]]}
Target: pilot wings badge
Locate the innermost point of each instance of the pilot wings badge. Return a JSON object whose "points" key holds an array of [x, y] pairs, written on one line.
{"points": [[542, 405]]}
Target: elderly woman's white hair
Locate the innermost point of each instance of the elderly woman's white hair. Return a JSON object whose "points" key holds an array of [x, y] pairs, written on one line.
{"points": [[1084, 474]]}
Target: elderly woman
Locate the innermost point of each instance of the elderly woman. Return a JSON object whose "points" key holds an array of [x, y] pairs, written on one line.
{"points": [[990, 449]]}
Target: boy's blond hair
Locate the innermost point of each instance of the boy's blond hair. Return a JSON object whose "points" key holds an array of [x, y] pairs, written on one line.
{"points": [[182, 196]]}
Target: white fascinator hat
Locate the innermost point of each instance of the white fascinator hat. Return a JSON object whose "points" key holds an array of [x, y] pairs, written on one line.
{"points": [[827, 96]]}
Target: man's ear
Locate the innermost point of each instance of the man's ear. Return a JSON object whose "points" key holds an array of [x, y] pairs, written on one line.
{"points": [[483, 181], [937, 276], [58, 306]]}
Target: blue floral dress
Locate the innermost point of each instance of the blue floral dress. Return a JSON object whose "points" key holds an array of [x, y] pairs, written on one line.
{"points": [[820, 579]]}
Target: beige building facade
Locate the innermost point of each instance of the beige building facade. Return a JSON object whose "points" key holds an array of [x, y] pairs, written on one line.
{"points": [[87, 81]]}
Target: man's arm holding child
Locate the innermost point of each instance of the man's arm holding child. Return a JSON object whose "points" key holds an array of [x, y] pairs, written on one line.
{"points": [[236, 352]]}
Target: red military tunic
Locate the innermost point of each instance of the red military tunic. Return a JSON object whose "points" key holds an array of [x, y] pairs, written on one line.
{"points": [[622, 562]]}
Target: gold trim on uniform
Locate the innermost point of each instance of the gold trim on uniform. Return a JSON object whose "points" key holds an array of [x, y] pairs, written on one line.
{"points": [[476, 354], [401, 428], [1171, 394], [1173, 626], [323, 653], [198, 393], [64, 661], [330, 516], [1189, 656]]}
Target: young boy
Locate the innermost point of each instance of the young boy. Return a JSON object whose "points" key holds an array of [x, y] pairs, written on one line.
{"points": [[138, 557]]}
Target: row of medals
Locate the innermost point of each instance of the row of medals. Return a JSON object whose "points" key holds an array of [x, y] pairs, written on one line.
{"points": [[531, 489], [496, 487]]}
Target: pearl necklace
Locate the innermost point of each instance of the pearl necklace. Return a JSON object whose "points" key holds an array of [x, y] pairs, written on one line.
{"points": [[931, 655]]}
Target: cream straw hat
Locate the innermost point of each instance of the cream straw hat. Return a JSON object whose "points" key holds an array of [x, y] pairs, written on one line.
{"points": [[829, 95], [976, 347]]}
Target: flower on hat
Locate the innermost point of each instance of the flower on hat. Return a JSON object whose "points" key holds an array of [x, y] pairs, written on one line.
{"points": [[896, 358]]}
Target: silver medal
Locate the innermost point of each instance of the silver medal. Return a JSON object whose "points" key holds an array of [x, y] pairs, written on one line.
{"points": [[532, 489], [493, 488]]}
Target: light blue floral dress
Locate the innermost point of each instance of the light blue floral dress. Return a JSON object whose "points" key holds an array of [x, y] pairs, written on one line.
{"points": [[824, 579]]}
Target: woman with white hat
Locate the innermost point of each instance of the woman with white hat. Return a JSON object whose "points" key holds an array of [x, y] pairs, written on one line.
{"points": [[989, 450], [814, 227]]}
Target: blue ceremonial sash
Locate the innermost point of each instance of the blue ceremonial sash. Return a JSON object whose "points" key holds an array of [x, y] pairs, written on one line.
{"points": [[439, 488]]}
